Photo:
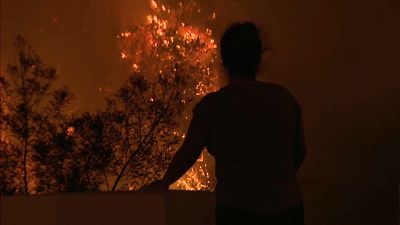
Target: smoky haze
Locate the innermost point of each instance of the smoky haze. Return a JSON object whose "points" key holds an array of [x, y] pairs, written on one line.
{"points": [[339, 58]]}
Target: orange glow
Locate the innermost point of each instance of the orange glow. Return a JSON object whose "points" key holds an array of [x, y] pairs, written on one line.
{"points": [[153, 4], [174, 40], [70, 131], [135, 67]]}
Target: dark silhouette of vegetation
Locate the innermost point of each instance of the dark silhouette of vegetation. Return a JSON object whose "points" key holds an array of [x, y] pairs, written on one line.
{"points": [[42, 148], [30, 82], [8, 168], [73, 155], [125, 146], [145, 114]]}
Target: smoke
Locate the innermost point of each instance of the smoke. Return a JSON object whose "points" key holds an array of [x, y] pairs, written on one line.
{"points": [[77, 37]]}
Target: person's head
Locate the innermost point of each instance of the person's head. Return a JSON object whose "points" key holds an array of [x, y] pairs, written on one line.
{"points": [[241, 50]]}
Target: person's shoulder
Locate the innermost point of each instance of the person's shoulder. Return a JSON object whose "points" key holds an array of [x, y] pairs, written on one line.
{"points": [[208, 99], [281, 90], [273, 86], [205, 102], [210, 96]]}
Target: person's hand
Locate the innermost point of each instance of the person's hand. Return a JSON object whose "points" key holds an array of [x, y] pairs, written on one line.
{"points": [[156, 186]]}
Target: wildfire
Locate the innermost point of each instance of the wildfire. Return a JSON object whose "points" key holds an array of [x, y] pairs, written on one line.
{"points": [[171, 39], [158, 34]]}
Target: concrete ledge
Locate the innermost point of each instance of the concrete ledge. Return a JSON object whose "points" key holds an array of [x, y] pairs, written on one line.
{"points": [[118, 208]]}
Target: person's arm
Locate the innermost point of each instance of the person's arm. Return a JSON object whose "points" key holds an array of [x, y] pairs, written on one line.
{"points": [[300, 150], [187, 154]]}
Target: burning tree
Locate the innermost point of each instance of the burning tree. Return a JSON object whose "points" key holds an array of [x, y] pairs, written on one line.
{"points": [[173, 64]]}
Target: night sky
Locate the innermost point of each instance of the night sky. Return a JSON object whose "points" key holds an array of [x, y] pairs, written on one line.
{"points": [[339, 58]]}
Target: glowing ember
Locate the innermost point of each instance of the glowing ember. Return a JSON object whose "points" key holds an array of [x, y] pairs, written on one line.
{"points": [[123, 55], [153, 4], [70, 131]]}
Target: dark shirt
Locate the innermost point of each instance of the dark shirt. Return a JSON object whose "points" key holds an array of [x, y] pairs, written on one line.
{"points": [[254, 131]]}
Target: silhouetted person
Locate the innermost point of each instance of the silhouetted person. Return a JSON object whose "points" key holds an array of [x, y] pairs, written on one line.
{"points": [[254, 131]]}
